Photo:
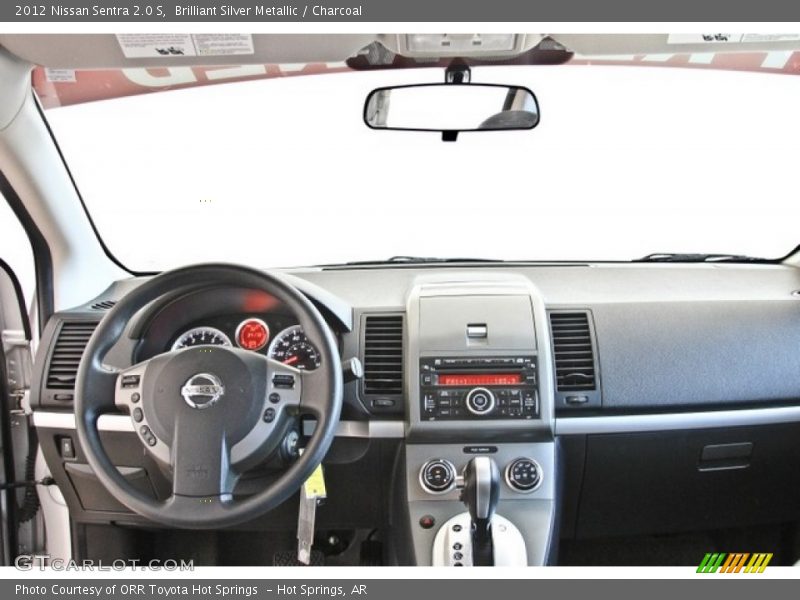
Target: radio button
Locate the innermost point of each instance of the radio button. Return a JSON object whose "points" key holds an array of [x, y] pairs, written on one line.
{"points": [[480, 401]]}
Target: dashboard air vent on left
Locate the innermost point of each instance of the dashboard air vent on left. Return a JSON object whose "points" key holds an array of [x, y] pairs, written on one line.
{"points": [[66, 357], [383, 361]]}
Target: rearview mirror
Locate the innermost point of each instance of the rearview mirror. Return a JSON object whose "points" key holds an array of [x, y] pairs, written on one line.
{"points": [[451, 108]]}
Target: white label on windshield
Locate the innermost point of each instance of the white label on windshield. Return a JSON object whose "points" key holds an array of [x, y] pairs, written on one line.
{"points": [[770, 37], [731, 38], [223, 44], [704, 38], [166, 45], [60, 75]]}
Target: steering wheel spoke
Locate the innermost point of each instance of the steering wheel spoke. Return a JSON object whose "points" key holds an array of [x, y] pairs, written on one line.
{"points": [[128, 387], [313, 401], [200, 457]]}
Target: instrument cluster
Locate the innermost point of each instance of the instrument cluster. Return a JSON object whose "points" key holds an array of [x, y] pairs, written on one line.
{"points": [[271, 334]]}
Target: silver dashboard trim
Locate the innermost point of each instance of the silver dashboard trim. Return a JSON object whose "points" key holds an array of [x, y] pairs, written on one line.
{"points": [[677, 421], [122, 423], [563, 425]]}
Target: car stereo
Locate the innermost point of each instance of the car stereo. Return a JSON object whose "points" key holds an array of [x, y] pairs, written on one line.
{"points": [[461, 388]]}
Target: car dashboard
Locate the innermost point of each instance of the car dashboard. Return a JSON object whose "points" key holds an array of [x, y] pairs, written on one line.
{"points": [[614, 398]]}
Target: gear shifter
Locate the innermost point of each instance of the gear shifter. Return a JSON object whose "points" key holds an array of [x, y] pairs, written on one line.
{"points": [[480, 494]]}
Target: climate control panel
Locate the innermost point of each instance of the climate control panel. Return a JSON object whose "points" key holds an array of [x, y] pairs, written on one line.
{"points": [[460, 388], [523, 475], [439, 475]]}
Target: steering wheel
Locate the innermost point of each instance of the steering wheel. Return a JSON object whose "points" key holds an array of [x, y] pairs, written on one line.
{"points": [[208, 413]]}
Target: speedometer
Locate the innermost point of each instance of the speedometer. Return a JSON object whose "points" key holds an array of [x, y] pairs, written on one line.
{"points": [[201, 336], [291, 347]]}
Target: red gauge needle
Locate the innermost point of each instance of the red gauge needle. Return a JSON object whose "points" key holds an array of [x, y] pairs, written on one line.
{"points": [[291, 360]]}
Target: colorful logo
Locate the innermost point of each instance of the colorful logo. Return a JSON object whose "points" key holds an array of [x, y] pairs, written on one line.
{"points": [[736, 562]]}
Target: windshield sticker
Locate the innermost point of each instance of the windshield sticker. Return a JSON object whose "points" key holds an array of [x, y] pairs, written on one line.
{"points": [[60, 75], [704, 38], [171, 45], [731, 38]]}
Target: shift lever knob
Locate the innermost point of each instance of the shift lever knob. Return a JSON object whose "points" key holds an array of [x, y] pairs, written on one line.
{"points": [[481, 491]]}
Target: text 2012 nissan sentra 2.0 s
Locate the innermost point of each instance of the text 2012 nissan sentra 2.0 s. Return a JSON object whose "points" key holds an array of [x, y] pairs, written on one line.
{"points": [[377, 299]]}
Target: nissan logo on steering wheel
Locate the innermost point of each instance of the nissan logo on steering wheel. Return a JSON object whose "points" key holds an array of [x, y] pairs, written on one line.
{"points": [[202, 390]]}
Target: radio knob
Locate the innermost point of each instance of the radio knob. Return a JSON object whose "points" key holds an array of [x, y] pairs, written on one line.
{"points": [[480, 401]]}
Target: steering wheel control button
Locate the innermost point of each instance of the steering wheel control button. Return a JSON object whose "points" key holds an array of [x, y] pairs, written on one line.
{"points": [[135, 397], [130, 381], [480, 401], [138, 415], [148, 436], [427, 521], [269, 415], [274, 397], [437, 476], [202, 390], [523, 475], [283, 381]]}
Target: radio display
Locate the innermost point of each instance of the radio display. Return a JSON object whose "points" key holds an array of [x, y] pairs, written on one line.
{"points": [[467, 379]]}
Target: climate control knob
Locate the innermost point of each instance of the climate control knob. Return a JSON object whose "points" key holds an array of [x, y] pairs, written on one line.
{"points": [[437, 476], [480, 401], [523, 475]]}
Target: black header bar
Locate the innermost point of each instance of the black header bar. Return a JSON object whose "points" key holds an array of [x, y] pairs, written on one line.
{"points": [[445, 11]]}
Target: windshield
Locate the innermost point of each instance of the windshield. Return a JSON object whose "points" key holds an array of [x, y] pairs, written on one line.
{"points": [[626, 161]]}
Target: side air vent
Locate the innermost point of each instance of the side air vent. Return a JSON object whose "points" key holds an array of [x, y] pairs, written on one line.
{"points": [[575, 361], [67, 352], [383, 360], [104, 305]]}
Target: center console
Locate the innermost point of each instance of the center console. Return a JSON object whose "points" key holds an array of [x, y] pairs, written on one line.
{"points": [[479, 417]]}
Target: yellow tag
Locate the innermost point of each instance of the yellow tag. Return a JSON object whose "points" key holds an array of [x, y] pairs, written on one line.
{"points": [[314, 486]]}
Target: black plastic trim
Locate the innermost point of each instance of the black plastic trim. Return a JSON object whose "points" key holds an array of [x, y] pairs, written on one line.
{"points": [[9, 501]]}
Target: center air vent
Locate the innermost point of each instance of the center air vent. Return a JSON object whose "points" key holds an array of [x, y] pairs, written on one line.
{"points": [[575, 364], [63, 367], [383, 359]]}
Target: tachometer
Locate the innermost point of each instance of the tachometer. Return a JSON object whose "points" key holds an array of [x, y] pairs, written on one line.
{"points": [[201, 336], [291, 347]]}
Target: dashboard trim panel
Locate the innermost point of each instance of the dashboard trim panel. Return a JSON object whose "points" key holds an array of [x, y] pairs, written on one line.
{"points": [[563, 425], [677, 421], [122, 423]]}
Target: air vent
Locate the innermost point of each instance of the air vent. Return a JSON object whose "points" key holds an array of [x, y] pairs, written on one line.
{"points": [[574, 352], [383, 355], [103, 305], [67, 353]]}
